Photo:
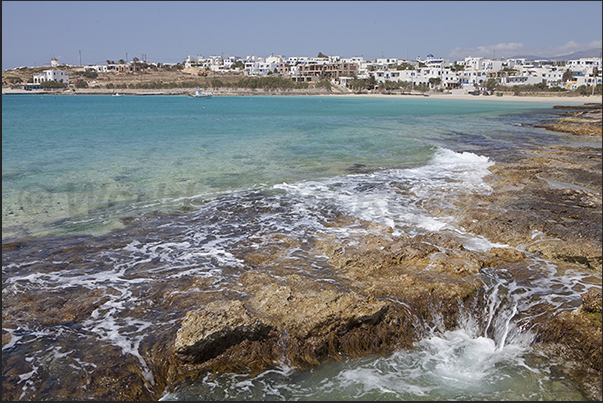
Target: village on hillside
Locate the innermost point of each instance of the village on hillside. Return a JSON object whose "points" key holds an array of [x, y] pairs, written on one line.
{"points": [[473, 74]]}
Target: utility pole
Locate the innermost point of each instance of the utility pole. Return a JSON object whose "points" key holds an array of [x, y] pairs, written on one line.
{"points": [[80, 57]]}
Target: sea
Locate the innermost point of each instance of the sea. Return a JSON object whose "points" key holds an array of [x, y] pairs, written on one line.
{"points": [[120, 214]]}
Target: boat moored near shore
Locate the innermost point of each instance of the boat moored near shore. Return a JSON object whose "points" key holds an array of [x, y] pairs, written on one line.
{"points": [[199, 94]]}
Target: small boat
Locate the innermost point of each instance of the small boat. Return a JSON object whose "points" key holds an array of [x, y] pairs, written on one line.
{"points": [[199, 94], [117, 94]]}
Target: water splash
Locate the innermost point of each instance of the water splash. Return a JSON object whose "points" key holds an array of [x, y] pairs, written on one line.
{"points": [[487, 357]]}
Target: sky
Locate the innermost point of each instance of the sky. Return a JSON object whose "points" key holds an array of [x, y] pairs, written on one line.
{"points": [[92, 32]]}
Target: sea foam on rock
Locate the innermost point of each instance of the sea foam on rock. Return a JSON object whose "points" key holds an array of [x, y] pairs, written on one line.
{"points": [[384, 289], [546, 203]]}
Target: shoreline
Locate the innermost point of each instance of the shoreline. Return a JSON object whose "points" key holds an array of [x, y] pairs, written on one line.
{"points": [[552, 193], [457, 95]]}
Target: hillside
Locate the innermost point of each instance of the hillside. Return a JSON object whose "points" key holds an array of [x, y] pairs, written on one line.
{"points": [[169, 81], [22, 75]]}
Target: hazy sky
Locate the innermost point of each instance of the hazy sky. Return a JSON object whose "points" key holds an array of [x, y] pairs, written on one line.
{"points": [[33, 32]]}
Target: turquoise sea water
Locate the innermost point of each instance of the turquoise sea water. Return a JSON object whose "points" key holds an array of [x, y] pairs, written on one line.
{"points": [[78, 163], [125, 200]]}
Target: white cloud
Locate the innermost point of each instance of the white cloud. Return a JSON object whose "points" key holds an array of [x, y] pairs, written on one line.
{"points": [[498, 50], [569, 47], [513, 49]]}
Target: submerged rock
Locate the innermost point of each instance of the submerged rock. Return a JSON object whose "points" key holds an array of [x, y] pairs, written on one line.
{"points": [[575, 339], [377, 291], [548, 203]]}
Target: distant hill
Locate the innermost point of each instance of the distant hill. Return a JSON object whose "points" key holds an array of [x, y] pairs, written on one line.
{"points": [[595, 52]]}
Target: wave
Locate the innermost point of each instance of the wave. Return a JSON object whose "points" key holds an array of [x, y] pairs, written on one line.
{"points": [[395, 197]]}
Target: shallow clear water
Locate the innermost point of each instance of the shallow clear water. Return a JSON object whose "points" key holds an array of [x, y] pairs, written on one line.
{"points": [[144, 206], [81, 162], [453, 366]]}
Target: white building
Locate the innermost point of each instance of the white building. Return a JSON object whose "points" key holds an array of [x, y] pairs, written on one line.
{"points": [[584, 63], [356, 59], [294, 60], [275, 59], [493, 65], [229, 62], [101, 68], [552, 75], [258, 66], [194, 60], [51, 75], [450, 79], [473, 63], [476, 70], [432, 61], [470, 78]]}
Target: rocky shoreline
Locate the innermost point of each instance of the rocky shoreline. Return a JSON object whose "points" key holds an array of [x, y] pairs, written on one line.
{"points": [[388, 289], [395, 283], [582, 120]]}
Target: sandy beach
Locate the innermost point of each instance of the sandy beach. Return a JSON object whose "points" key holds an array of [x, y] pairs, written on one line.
{"points": [[465, 96], [455, 94]]}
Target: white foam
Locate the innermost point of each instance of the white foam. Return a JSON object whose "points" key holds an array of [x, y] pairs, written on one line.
{"points": [[394, 197]]}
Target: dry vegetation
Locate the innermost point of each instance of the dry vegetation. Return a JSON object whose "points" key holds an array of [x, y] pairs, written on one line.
{"points": [[170, 80], [23, 75]]}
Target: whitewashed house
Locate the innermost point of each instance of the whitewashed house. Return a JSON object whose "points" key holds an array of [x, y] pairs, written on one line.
{"points": [[51, 75], [584, 63], [450, 79], [101, 68], [493, 64], [432, 62], [356, 59], [473, 63], [261, 67], [194, 60], [295, 60], [583, 71], [229, 62], [275, 59], [385, 63]]}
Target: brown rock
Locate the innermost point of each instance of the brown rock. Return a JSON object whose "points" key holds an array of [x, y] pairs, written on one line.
{"points": [[304, 312], [208, 332], [591, 301], [507, 254], [291, 317], [584, 121], [574, 337]]}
